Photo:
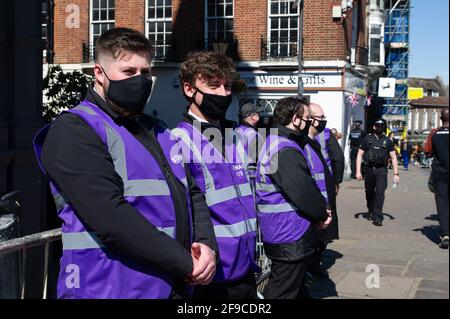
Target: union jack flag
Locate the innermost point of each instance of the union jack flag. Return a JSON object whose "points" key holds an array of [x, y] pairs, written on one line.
{"points": [[353, 100]]}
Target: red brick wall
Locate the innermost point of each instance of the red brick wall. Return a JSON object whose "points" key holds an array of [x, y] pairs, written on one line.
{"points": [[323, 35], [250, 23], [131, 14], [68, 41], [188, 26]]}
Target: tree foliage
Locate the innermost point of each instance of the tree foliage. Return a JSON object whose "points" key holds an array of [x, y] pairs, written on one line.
{"points": [[63, 90]]}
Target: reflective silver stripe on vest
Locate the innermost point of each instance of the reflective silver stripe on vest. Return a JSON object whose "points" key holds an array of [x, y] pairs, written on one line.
{"points": [[276, 208], [236, 230], [60, 202], [213, 196], [308, 154], [143, 187], [324, 150], [85, 109], [323, 145], [319, 176], [267, 188], [170, 231], [82, 240], [89, 240]]}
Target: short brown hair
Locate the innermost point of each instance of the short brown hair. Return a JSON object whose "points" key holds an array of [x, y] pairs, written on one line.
{"points": [[115, 40], [210, 65]]}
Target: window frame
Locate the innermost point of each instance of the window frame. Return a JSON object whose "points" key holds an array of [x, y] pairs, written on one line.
{"points": [[215, 17], [99, 22], [166, 45], [289, 15]]}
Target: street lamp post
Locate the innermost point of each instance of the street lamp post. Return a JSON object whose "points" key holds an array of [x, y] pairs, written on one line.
{"points": [[301, 88]]}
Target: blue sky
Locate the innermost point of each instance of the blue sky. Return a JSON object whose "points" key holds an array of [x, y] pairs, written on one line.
{"points": [[429, 39]]}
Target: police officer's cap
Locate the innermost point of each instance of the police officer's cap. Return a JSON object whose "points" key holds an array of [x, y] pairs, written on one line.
{"points": [[380, 122]]}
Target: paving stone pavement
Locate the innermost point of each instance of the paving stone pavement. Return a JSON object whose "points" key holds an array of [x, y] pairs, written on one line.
{"points": [[404, 250]]}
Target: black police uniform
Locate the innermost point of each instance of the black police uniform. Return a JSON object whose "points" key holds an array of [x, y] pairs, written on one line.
{"points": [[356, 136], [374, 168], [439, 175]]}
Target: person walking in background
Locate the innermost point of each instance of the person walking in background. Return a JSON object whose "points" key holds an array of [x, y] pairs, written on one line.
{"points": [[405, 152], [439, 175], [375, 150]]}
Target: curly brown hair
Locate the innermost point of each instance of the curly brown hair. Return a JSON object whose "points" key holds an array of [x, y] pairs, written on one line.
{"points": [[210, 65]]}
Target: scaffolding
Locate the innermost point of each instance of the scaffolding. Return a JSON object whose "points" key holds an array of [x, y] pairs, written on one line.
{"points": [[397, 53]]}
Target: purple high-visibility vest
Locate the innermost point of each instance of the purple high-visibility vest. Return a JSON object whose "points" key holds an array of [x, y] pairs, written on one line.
{"points": [[278, 218], [228, 196], [317, 170], [88, 268], [323, 139]]}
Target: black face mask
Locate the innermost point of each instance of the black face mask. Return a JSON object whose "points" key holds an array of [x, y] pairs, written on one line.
{"points": [[379, 130], [305, 131], [213, 106], [321, 126], [131, 93]]}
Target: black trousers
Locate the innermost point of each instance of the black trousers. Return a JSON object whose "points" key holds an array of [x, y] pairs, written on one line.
{"points": [[441, 197], [286, 279], [316, 258], [375, 180], [353, 155], [244, 288]]}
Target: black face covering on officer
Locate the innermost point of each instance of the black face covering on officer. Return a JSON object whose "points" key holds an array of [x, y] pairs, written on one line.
{"points": [[131, 93], [213, 106], [379, 129]]}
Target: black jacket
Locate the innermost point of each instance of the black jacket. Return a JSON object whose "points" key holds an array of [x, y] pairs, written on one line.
{"points": [[440, 164], [337, 158], [293, 177], [332, 231], [78, 163]]}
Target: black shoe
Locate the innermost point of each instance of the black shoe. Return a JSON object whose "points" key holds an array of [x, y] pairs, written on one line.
{"points": [[444, 242], [370, 216], [377, 222]]}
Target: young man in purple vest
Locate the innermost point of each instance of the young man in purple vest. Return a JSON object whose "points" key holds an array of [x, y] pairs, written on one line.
{"points": [[211, 154], [290, 205], [135, 224]]}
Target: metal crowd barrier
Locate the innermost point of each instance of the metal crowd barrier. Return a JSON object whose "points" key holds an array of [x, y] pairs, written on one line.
{"points": [[22, 244]]}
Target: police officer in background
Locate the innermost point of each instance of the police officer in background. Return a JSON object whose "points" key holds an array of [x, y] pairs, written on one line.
{"points": [[374, 152], [356, 136], [439, 175]]}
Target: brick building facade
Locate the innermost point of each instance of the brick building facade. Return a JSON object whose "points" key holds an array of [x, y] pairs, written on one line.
{"points": [[262, 36]]}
